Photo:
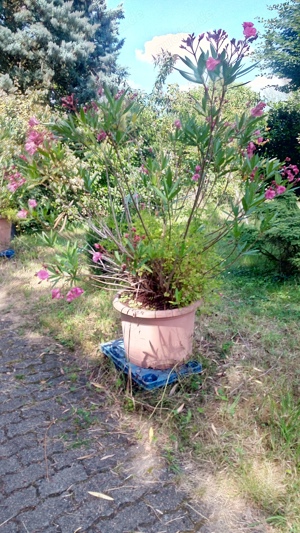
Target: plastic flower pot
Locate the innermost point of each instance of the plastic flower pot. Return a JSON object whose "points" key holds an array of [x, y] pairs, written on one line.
{"points": [[157, 339], [5, 232]]}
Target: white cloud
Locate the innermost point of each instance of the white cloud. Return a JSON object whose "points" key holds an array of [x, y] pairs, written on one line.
{"points": [[262, 82], [170, 42]]}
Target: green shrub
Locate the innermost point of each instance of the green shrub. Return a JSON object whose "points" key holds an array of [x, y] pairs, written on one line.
{"points": [[280, 244]]}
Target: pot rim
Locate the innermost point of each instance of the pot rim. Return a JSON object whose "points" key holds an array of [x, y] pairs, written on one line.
{"points": [[147, 313]]}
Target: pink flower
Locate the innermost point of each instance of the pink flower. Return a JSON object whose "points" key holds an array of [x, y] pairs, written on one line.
{"points": [[69, 102], [211, 63], [280, 189], [249, 30], [195, 177], [269, 194], [33, 122], [101, 136], [56, 294], [32, 203], [251, 149], [96, 257], [75, 292], [144, 170], [43, 274], [177, 124], [22, 214], [257, 111], [197, 168], [30, 147]]}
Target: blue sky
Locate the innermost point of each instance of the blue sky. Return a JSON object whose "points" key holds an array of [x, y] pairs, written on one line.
{"points": [[152, 24]]}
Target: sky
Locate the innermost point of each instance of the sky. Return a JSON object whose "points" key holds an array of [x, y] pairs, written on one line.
{"points": [[150, 25]]}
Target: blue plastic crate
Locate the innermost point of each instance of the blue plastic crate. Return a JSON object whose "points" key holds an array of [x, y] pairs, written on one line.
{"points": [[7, 253], [147, 378]]}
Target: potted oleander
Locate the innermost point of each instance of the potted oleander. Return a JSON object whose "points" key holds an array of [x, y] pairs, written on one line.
{"points": [[156, 244]]}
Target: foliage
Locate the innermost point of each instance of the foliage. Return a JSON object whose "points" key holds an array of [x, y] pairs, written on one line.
{"points": [[157, 241], [281, 242], [283, 125], [280, 50], [64, 47]]}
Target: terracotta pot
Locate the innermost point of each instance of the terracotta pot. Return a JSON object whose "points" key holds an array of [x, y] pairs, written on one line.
{"points": [[5, 232], [157, 339]]}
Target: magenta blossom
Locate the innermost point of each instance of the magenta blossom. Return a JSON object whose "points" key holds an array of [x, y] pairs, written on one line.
{"points": [[32, 203], [251, 149], [69, 102], [280, 189], [249, 30], [101, 136], [197, 168], [144, 170], [212, 63], [97, 256], [75, 292], [258, 110], [56, 294], [33, 122], [270, 194], [16, 180], [22, 214], [195, 177], [43, 274], [177, 124]]}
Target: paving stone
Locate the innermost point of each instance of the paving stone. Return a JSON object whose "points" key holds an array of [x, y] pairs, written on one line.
{"points": [[23, 427], [27, 476], [129, 519], [52, 495], [170, 501], [17, 502], [62, 480], [45, 514], [10, 465]]}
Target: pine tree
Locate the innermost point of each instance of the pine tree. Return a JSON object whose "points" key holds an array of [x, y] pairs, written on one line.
{"points": [[279, 51], [65, 46]]}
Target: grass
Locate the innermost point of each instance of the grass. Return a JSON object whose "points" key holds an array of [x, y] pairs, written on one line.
{"points": [[232, 435]]}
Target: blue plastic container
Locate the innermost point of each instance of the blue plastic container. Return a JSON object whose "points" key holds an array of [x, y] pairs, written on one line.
{"points": [[147, 378], [7, 253]]}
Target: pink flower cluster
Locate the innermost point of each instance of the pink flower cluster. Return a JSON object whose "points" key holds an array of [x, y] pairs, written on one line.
{"points": [[22, 213], [212, 63], [75, 292], [290, 172], [177, 124], [16, 180], [101, 136], [196, 174], [69, 102], [273, 191], [249, 30], [33, 141], [144, 170], [258, 110]]}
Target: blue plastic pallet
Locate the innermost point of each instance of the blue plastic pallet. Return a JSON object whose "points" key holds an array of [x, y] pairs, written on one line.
{"points": [[7, 253], [147, 378]]}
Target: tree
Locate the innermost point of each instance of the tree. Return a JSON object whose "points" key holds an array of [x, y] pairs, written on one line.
{"points": [[280, 50], [67, 47]]}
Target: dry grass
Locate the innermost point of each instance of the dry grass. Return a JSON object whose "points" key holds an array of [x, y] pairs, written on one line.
{"points": [[235, 443]]}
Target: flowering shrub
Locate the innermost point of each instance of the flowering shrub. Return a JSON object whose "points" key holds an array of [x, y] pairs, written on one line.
{"points": [[158, 242]]}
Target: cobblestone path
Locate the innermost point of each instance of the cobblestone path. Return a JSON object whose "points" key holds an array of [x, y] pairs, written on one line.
{"points": [[59, 442]]}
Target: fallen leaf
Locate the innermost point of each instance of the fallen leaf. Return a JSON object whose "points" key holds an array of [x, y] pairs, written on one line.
{"points": [[151, 434], [173, 389], [180, 409], [97, 385], [100, 495], [214, 429]]}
